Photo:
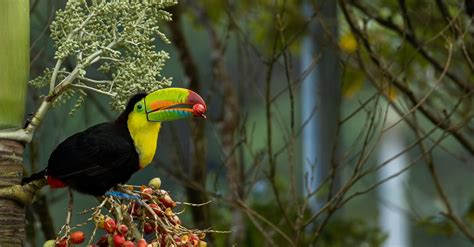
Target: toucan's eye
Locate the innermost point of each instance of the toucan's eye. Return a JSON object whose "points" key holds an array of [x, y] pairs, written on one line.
{"points": [[139, 107]]}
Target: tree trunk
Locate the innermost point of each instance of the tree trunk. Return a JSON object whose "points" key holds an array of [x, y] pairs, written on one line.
{"points": [[12, 214], [14, 64]]}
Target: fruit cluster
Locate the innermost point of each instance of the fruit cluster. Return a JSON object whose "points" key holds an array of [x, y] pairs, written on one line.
{"points": [[144, 218]]}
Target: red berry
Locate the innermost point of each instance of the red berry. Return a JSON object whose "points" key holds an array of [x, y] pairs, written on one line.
{"points": [[122, 229], [167, 201], [109, 225], [119, 240], [148, 228], [199, 110], [147, 192], [77, 237], [128, 244], [61, 243]]}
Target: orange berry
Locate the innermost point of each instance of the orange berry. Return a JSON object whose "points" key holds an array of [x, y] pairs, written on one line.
{"points": [[110, 225], [141, 243], [77, 237]]}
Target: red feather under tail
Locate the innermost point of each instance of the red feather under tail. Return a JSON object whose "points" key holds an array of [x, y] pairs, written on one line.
{"points": [[55, 183]]}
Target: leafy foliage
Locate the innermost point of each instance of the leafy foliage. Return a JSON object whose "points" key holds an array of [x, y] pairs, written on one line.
{"points": [[116, 38]]}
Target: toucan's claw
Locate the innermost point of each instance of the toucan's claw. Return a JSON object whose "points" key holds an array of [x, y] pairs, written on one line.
{"points": [[121, 195]]}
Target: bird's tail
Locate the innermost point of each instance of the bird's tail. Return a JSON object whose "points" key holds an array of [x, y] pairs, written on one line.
{"points": [[33, 177]]}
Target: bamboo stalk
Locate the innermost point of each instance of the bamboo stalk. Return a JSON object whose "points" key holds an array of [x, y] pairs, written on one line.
{"points": [[14, 61]]}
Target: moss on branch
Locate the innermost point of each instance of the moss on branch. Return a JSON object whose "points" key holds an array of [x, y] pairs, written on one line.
{"points": [[24, 194]]}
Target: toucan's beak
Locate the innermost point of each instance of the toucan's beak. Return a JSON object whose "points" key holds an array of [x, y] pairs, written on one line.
{"points": [[172, 104]]}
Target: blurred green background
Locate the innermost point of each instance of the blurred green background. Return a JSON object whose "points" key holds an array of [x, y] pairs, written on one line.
{"points": [[249, 34]]}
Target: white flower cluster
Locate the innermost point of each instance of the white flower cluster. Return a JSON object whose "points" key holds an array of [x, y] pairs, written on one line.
{"points": [[113, 37]]}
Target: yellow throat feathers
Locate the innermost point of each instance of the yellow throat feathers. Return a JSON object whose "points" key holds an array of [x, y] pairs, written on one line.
{"points": [[144, 135]]}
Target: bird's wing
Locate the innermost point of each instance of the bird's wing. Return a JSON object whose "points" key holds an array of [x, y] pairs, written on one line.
{"points": [[95, 151]]}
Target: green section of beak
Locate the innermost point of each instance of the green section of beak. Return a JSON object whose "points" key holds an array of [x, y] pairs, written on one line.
{"points": [[171, 104], [168, 115]]}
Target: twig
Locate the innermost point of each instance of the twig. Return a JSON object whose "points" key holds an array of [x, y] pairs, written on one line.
{"points": [[195, 204], [462, 85], [402, 87], [85, 79], [449, 213], [66, 228], [266, 221], [422, 100], [93, 89]]}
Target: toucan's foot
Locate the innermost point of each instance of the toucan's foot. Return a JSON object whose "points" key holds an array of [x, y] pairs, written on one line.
{"points": [[121, 195]]}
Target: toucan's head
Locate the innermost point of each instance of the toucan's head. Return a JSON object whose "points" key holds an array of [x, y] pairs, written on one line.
{"points": [[165, 105], [145, 112]]}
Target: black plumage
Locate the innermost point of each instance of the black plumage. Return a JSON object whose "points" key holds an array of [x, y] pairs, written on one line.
{"points": [[470, 8], [95, 160]]}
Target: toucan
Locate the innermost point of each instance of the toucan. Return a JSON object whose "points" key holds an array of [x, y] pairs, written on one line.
{"points": [[104, 155]]}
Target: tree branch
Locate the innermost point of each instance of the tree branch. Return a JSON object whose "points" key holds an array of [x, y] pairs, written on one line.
{"points": [[24, 194], [463, 86], [404, 88]]}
